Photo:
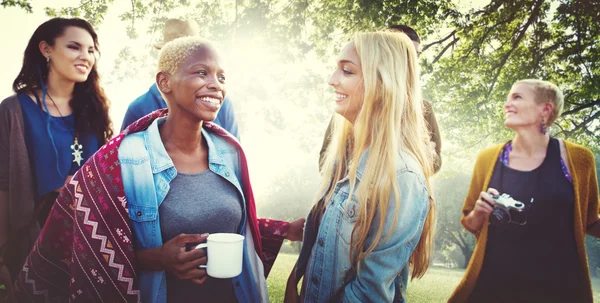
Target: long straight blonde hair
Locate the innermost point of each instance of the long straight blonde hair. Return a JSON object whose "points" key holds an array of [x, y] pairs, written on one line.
{"points": [[390, 120]]}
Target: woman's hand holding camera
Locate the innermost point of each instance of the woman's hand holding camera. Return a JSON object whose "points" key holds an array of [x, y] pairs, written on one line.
{"points": [[484, 206]]}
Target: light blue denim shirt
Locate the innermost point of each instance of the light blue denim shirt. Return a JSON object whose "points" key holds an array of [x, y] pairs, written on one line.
{"points": [[384, 272], [147, 171]]}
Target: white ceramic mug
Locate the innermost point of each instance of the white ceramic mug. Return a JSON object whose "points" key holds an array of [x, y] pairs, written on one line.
{"points": [[224, 254]]}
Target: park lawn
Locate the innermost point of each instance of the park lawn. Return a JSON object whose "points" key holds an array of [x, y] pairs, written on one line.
{"points": [[436, 286]]}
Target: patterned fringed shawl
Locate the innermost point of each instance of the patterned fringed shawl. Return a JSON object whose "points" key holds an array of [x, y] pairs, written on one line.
{"points": [[85, 253]]}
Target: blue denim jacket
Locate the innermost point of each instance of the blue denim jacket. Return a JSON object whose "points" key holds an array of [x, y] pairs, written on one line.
{"points": [[147, 171], [325, 254]]}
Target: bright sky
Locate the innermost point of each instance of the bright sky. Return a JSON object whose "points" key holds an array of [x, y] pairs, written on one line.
{"points": [[256, 86]]}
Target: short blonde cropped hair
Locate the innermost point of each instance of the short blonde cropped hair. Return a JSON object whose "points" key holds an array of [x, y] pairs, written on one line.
{"points": [[546, 92], [173, 53]]}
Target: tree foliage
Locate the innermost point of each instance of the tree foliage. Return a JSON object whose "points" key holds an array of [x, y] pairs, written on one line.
{"points": [[470, 59], [511, 40], [24, 4]]}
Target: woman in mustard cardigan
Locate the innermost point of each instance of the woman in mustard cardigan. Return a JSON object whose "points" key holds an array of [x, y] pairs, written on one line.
{"points": [[536, 251]]}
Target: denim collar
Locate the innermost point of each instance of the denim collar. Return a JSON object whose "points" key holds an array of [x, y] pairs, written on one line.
{"points": [[160, 159], [214, 156]]}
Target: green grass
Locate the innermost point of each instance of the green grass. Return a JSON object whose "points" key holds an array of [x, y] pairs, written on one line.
{"points": [[278, 276], [435, 286]]}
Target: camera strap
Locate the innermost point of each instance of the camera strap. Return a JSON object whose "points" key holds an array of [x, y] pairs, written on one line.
{"points": [[537, 171]]}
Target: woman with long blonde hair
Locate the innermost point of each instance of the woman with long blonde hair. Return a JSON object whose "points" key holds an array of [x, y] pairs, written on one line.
{"points": [[374, 216]]}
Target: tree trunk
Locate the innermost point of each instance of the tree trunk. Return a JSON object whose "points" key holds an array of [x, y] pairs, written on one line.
{"points": [[464, 248]]}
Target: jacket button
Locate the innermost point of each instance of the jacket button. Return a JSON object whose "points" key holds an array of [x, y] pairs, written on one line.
{"points": [[352, 211], [237, 284], [226, 174], [139, 213], [321, 242], [315, 280]]}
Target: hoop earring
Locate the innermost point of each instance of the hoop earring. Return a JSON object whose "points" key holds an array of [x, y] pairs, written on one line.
{"points": [[543, 126]]}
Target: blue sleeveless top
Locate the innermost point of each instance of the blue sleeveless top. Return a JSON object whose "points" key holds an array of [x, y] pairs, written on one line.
{"points": [[51, 167]]}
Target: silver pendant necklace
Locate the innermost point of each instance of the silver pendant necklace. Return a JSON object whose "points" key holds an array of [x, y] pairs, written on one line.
{"points": [[77, 151], [76, 147]]}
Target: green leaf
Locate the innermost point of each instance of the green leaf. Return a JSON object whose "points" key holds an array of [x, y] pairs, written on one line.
{"points": [[24, 4]]}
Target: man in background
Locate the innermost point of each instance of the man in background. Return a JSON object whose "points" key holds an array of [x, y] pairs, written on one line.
{"points": [[152, 100]]}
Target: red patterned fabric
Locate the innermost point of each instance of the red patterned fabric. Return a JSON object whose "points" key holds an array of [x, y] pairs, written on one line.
{"points": [[85, 253], [272, 232]]}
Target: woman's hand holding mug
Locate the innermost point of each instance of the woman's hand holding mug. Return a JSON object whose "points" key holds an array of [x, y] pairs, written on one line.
{"points": [[181, 263]]}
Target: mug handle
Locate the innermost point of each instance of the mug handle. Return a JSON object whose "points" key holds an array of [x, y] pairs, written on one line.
{"points": [[202, 245]]}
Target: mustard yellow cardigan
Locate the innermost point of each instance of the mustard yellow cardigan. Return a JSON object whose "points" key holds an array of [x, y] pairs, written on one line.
{"points": [[583, 172]]}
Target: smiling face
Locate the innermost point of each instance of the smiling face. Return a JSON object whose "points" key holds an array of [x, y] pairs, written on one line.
{"points": [[347, 82], [72, 55], [521, 109], [197, 87]]}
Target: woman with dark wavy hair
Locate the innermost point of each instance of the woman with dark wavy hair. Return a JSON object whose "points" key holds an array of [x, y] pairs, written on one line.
{"points": [[56, 120]]}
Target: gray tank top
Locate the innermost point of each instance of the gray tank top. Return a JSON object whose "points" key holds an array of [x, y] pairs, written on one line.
{"points": [[197, 204]]}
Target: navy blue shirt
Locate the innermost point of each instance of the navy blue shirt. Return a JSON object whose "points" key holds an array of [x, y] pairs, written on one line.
{"points": [[537, 261], [51, 167], [152, 100]]}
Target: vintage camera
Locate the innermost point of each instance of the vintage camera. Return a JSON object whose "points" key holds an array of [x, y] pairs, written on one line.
{"points": [[507, 210]]}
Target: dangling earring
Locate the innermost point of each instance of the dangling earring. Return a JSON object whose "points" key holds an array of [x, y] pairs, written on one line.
{"points": [[543, 126], [48, 62]]}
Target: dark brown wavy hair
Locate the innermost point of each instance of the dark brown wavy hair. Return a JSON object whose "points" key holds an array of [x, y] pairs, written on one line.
{"points": [[89, 103]]}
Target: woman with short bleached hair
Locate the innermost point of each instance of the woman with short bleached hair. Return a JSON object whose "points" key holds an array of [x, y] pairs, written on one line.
{"points": [[530, 204], [374, 218], [149, 196]]}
